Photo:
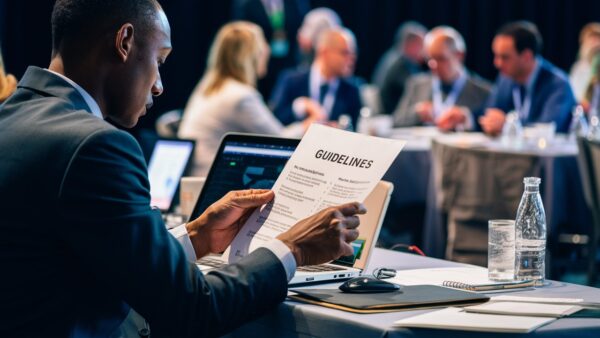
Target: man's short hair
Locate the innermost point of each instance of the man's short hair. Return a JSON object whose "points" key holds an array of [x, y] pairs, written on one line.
{"points": [[408, 31], [525, 35], [85, 20], [451, 36]]}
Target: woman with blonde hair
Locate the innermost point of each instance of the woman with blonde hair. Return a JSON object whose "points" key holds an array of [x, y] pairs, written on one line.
{"points": [[8, 83], [226, 99]]}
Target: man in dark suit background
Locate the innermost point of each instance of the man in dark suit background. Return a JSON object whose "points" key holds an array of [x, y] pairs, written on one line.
{"points": [[79, 243], [448, 96], [323, 91], [403, 60], [280, 21], [527, 84]]}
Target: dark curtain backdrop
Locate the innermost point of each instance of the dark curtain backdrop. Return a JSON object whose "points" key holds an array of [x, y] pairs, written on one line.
{"points": [[25, 32]]}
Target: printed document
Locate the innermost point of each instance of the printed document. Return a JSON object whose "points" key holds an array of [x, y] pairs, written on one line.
{"points": [[329, 167]]}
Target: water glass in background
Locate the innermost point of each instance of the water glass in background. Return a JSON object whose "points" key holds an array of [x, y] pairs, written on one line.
{"points": [[512, 131], [345, 122], [364, 121], [530, 234], [579, 124], [544, 133], [501, 250], [594, 130]]}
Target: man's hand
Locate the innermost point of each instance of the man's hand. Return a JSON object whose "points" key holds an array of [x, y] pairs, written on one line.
{"points": [[324, 236], [314, 110], [425, 111], [213, 231], [492, 121], [451, 118]]}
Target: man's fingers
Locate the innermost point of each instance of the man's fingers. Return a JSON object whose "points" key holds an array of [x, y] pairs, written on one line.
{"points": [[353, 208], [346, 249], [351, 222], [252, 198], [350, 235]]}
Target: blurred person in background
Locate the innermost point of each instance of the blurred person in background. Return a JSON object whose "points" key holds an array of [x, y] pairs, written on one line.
{"points": [[226, 100], [591, 97], [315, 22], [586, 64], [8, 83], [324, 91], [404, 59], [279, 21], [527, 84], [450, 96]]}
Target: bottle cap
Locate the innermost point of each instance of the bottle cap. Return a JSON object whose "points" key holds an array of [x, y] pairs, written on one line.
{"points": [[532, 180]]}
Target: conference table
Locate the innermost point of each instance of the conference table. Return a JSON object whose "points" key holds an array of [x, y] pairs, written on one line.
{"points": [[296, 319]]}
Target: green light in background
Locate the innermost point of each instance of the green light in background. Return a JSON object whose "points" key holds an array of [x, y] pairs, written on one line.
{"points": [[232, 164]]}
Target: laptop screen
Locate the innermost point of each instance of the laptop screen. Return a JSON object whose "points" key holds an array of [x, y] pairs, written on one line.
{"points": [[167, 164], [244, 162]]}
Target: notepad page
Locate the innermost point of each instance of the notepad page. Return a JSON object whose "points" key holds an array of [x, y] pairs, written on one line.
{"points": [[524, 309], [456, 319], [470, 275], [537, 299]]}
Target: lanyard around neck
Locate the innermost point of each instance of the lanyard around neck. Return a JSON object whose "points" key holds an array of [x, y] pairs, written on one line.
{"points": [[441, 105], [524, 107]]}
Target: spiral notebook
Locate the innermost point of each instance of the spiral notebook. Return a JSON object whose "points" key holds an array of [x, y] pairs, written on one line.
{"points": [[470, 278]]}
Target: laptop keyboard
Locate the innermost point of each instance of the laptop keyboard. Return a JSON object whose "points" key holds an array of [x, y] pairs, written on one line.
{"points": [[211, 261], [218, 263], [319, 268]]}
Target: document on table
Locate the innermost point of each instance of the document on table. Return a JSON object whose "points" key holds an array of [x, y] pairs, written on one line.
{"points": [[524, 309], [329, 167], [457, 319]]}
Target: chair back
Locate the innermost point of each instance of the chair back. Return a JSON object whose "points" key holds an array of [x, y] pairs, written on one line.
{"points": [[589, 166]]}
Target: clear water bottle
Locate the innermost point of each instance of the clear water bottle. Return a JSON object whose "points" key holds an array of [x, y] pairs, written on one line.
{"points": [[579, 125], [512, 131], [594, 129], [530, 234]]}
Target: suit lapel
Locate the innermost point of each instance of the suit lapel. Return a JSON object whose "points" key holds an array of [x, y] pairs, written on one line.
{"points": [[538, 87], [48, 84]]}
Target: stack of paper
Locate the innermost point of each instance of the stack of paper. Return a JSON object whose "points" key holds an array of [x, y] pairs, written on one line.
{"points": [[457, 319], [524, 309]]}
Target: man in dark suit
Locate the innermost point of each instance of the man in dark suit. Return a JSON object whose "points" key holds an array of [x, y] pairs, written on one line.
{"points": [[323, 91], [449, 96], [79, 243], [398, 64], [280, 21], [527, 84]]}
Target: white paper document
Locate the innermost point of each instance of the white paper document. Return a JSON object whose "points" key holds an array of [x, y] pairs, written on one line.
{"points": [[329, 167], [437, 276], [524, 309], [457, 319]]}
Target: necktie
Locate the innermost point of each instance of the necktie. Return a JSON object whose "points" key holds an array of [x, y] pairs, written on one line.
{"points": [[446, 88], [522, 93], [323, 92]]}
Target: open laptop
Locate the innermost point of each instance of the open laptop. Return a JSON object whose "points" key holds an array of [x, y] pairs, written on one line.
{"points": [[250, 161], [168, 162]]}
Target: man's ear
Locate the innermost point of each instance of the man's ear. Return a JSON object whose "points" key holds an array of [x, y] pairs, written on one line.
{"points": [[124, 41], [528, 54]]}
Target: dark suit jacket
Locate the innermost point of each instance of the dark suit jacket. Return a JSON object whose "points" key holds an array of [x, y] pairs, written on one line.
{"points": [[394, 80], [552, 98], [79, 242], [419, 88], [294, 84]]}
